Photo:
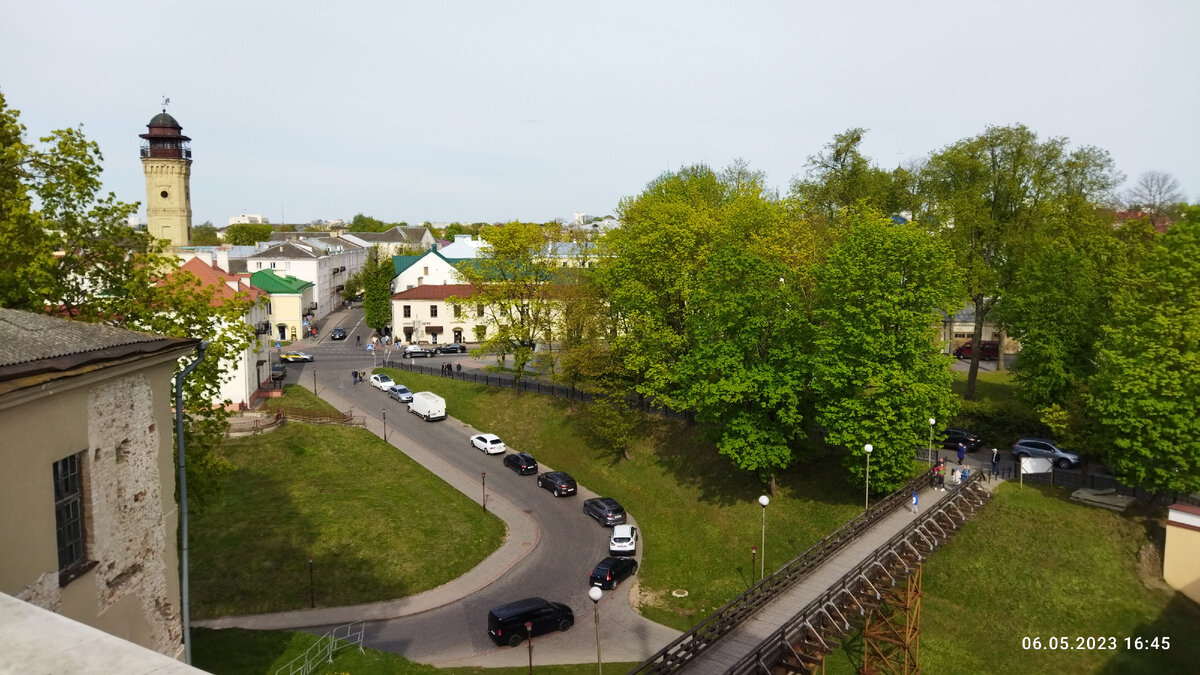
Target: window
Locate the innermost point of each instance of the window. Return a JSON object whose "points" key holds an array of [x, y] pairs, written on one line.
{"points": [[480, 333], [426, 271], [408, 311], [433, 311], [964, 335], [457, 311], [479, 311], [68, 517]]}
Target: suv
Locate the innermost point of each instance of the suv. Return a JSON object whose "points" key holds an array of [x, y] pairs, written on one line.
{"points": [[522, 462], [605, 510], [612, 571], [623, 540], [506, 623], [558, 482], [1040, 447]]}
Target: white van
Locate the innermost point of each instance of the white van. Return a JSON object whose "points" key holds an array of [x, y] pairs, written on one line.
{"points": [[428, 405]]}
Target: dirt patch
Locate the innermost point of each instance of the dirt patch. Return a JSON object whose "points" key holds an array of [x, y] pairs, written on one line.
{"points": [[1149, 568]]}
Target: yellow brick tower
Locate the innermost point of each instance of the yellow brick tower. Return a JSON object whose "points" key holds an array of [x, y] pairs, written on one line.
{"points": [[167, 163]]}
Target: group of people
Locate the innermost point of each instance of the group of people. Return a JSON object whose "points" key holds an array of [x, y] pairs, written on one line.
{"points": [[448, 369], [358, 375]]}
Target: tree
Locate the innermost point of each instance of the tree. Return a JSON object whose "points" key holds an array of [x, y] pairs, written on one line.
{"points": [[205, 234], [361, 223], [248, 234], [840, 177], [1155, 192], [514, 281], [877, 374], [376, 278], [1145, 397]]}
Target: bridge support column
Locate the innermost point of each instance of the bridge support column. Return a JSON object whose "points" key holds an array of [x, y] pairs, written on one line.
{"points": [[892, 632]]}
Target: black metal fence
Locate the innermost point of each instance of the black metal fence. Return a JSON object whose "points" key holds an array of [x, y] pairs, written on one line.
{"points": [[1075, 480]]}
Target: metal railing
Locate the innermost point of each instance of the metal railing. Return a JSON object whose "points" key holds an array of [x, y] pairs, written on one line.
{"points": [[322, 651], [687, 646]]}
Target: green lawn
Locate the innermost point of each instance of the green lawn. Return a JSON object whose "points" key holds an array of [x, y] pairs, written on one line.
{"points": [[247, 652], [377, 525], [698, 513], [1034, 564], [296, 397]]}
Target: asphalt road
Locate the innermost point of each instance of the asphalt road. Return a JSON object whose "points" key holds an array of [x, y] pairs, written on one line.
{"points": [[568, 544]]}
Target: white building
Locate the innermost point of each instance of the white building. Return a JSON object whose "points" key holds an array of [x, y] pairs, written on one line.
{"points": [[249, 219]]}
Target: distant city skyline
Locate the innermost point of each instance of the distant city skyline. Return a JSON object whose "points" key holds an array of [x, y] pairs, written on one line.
{"points": [[480, 112]]}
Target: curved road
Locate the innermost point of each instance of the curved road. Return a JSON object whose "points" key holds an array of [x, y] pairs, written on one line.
{"points": [[562, 545]]}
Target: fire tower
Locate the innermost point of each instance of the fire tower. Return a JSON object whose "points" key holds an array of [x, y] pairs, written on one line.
{"points": [[167, 163]]}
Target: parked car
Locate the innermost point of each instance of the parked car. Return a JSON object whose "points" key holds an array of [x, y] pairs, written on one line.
{"points": [[606, 510], [506, 623], [989, 350], [522, 462], [612, 571], [400, 393], [952, 437], [452, 348], [489, 443], [623, 540], [1040, 447], [382, 382], [278, 371], [338, 333], [428, 406], [416, 351], [295, 356], [558, 482]]}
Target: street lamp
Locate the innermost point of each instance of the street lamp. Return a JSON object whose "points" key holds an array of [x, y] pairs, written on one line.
{"points": [[929, 457], [529, 638], [385, 425], [762, 569], [753, 561], [867, 497], [483, 481], [595, 594]]}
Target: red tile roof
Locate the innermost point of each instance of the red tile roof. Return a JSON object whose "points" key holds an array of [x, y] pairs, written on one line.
{"points": [[227, 284]]}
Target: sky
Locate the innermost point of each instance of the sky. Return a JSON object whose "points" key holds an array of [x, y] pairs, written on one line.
{"points": [[500, 111]]}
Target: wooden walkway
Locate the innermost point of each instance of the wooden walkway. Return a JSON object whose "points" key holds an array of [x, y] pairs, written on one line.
{"points": [[722, 655]]}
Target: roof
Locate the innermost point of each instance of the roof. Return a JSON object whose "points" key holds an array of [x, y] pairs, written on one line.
{"points": [[436, 292], [288, 249], [33, 344], [228, 284], [272, 283], [403, 262], [162, 119]]}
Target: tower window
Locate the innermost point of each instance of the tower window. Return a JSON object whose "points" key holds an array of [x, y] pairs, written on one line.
{"points": [[163, 194]]}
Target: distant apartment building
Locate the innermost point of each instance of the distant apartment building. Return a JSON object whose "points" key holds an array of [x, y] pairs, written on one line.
{"points": [[249, 219]]}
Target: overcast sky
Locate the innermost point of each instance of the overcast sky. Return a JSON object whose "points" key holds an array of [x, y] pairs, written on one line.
{"points": [[495, 111]]}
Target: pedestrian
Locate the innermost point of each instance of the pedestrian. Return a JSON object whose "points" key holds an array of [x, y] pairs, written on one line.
{"points": [[964, 475], [954, 477], [995, 463], [354, 376], [962, 452], [914, 502], [458, 368], [939, 472], [357, 340]]}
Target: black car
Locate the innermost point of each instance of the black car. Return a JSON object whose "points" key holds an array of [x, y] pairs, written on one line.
{"points": [[605, 510], [506, 623], [338, 333], [612, 571], [522, 462], [952, 437], [558, 482], [414, 351], [452, 348]]}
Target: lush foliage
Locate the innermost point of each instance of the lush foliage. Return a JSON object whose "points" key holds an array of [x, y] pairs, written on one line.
{"points": [[376, 280], [205, 234], [248, 234]]}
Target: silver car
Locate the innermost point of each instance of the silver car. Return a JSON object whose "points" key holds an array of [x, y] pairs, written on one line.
{"points": [[400, 393], [1040, 447]]}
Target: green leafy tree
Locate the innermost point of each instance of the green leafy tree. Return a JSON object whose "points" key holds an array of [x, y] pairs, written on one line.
{"points": [[376, 278], [877, 373], [515, 283], [361, 223], [205, 234], [1145, 397], [840, 176], [248, 234]]}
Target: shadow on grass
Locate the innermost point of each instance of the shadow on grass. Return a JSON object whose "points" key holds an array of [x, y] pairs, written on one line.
{"points": [[244, 652], [1177, 623]]}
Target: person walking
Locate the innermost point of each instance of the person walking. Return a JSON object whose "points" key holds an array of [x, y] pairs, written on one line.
{"points": [[357, 340], [962, 453], [354, 376], [995, 463], [913, 506], [458, 368]]}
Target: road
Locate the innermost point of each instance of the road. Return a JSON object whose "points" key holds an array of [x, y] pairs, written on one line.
{"points": [[566, 546]]}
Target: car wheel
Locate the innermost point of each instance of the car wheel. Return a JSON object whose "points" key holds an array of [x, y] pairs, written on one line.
{"points": [[514, 639], [556, 493], [633, 570], [564, 624], [1063, 463], [539, 482]]}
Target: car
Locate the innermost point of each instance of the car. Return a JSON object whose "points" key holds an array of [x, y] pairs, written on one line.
{"points": [[506, 623], [400, 393], [489, 443], [412, 351], [452, 348], [278, 371], [952, 437], [295, 356], [338, 333], [612, 571], [623, 540], [521, 462], [989, 350], [605, 510], [1041, 447], [382, 382], [558, 482]]}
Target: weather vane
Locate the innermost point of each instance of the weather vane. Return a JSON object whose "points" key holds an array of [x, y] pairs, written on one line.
{"points": [[166, 101]]}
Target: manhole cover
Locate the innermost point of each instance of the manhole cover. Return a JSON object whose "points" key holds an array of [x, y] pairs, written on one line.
{"points": [[679, 593]]}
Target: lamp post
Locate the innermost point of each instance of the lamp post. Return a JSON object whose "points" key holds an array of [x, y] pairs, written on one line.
{"points": [[529, 638], [929, 457], [312, 593], [314, 381], [762, 569], [753, 561], [385, 425], [867, 497], [595, 594], [483, 481]]}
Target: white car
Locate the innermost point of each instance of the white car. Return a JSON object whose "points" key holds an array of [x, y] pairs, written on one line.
{"points": [[623, 540], [489, 443], [382, 382]]}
